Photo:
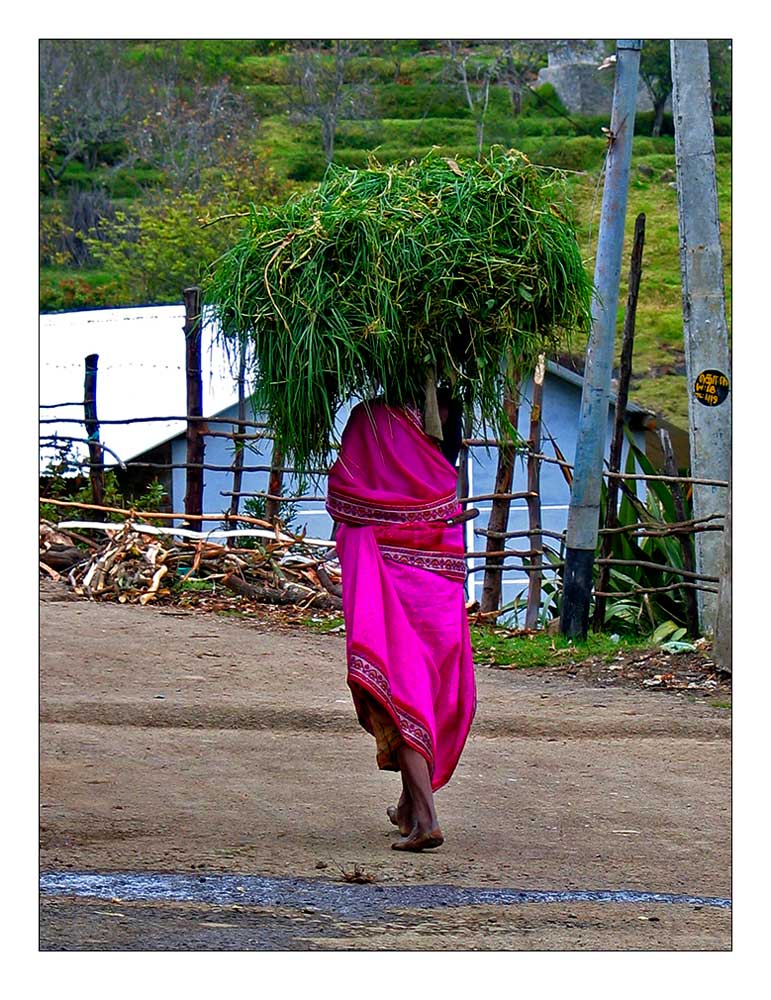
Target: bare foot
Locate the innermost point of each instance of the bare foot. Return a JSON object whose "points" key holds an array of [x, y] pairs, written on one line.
{"points": [[419, 839], [400, 816]]}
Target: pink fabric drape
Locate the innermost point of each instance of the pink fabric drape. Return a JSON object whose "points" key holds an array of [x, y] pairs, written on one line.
{"points": [[391, 490]]}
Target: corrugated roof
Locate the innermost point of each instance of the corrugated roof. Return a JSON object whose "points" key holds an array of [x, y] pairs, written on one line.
{"points": [[141, 373]]}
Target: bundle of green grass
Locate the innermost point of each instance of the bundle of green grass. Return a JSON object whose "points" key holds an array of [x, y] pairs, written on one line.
{"points": [[380, 277]]}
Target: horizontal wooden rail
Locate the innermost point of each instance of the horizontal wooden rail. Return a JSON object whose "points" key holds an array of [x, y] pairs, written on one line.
{"points": [[148, 420], [661, 567], [274, 496], [654, 590], [485, 533]]}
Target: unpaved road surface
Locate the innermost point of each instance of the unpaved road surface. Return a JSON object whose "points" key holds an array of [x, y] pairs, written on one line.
{"points": [[178, 742]]}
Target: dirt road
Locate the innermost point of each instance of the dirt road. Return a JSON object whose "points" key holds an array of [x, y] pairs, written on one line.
{"points": [[180, 742]]}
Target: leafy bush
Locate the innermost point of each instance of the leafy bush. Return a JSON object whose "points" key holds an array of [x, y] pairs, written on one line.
{"points": [[310, 166], [60, 291], [162, 246], [359, 135], [268, 99], [64, 480], [578, 153], [418, 100], [543, 100]]}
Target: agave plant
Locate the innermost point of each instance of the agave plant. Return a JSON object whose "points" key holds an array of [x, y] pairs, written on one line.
{"points": [[650, 611], [645, 612]]}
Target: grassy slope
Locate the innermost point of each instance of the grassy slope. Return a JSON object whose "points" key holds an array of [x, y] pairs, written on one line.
{"points": [[659, 379], [425, 109]]}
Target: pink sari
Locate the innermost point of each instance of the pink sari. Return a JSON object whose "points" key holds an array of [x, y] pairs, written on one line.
{"points": [[391, 491]]}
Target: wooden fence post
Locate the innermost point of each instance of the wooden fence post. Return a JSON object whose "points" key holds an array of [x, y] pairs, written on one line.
{"points": [[195, 428], [499, 512], [622, 395], [534, 501], [275, 484], [91, 421], [239, 444], [686, 541]]}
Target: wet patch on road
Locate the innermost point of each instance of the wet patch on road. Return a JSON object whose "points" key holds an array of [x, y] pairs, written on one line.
{"points": [[342, 899]]}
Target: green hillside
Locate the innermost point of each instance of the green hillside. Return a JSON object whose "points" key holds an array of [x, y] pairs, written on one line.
{"points": [[128, 220]]}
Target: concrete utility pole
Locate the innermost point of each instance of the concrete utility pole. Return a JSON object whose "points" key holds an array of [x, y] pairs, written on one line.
{"points": [[584, 512], [707, 360]]}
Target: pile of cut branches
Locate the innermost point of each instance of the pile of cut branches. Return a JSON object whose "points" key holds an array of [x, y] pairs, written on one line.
{"points": [[134, 564], [378, 278]]}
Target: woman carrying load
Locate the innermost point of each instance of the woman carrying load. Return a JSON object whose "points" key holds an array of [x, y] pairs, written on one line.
{"points": [[392, 492]]}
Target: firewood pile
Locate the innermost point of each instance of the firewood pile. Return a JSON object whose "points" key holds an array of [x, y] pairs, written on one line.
{"points": [[134, 564]]}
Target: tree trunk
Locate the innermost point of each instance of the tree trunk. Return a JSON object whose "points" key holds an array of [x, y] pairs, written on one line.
{"points": [[622, 395], [328, 128], [658, 116]]}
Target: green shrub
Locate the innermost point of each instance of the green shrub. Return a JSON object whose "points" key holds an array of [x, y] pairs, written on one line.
{"points": [[426, 132], [159, 247], [543, 100], [267, 98], [360, 135], [408, 101], [66, 479], [310, 166], [132, 182], [577, 153], [648, 145], [62, 290], [643, 123]]}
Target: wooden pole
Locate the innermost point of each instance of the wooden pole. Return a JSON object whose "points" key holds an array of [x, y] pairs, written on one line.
{"points": [[239, 445], [95, 452], [583, 513], [463, 454], [723, 650], [534, 501], [622, 396], [707, 354], [275, 484], [499, 513], [195, 428]]}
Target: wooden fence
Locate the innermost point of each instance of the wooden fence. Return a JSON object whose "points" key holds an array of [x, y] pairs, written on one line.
{"points": [[541, 560]]}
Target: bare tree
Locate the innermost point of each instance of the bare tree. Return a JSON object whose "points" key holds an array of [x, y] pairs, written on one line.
{"points": [[476, 71], [521, 60], [87, 93], [396, 50], [656, 74], [183, 135], [323, 91]]}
